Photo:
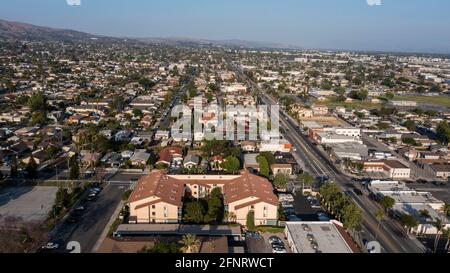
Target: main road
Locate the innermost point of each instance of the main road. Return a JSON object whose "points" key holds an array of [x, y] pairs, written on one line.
{"points": [[390, 234]]}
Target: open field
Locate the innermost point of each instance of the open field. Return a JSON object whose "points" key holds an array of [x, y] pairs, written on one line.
{"points": [[355, 105], [441, 101]]}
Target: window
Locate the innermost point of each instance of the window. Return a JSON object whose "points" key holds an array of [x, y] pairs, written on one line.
{"points": [[252, 207], [153, 213], [153, 206]]}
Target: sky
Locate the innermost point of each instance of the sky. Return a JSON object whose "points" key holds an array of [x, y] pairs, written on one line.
{"points": [[381, 25]]}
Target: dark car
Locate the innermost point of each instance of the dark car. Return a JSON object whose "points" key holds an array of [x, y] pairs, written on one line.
{"points": [[253, 235], [358, 192]]}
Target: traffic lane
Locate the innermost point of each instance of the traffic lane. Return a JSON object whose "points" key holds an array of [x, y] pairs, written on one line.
{"points": [[95, 220], [367, 213]]}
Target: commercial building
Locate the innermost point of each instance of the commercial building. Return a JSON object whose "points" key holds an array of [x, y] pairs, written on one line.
{"points": [[392, 169], [411, 202], [319, 237]]}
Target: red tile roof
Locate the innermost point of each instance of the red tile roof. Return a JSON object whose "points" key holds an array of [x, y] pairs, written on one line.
{"points": [[170, 189]]}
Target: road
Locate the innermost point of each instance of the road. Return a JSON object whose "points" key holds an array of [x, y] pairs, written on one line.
{"points": [[391, 235], [93, 222]]}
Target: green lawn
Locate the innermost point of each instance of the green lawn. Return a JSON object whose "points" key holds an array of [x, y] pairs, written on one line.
{"points": [[442, 101]]}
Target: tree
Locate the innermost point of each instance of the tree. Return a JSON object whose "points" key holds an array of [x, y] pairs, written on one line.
{"points": [[408, 222], [281, 180], [387, 203], [74, 168], [410, 125], [38, 118], [160, 247], [37, 102], [306, 179], [138, 113], [443, 132], [439, 225], [446, 234], [445, 210], [215, 212], [190, 244], [269, 157], [231, 164], [31, 168], [380, 215], [359, 95], [264, 169], [194, 213], [250, 223], [351, 217]]}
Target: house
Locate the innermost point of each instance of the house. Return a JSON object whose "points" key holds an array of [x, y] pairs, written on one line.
{"points": [[158, 197], [140, 158], [123, 136], [162, 135], [287, 158], [146, 122], [191, 161], [249, 146], [89, 159], [171, 156], [275, 146], [281, 168], [39, 157]]}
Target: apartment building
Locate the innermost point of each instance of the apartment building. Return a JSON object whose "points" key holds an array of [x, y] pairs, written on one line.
{"points": [[158, 197]]}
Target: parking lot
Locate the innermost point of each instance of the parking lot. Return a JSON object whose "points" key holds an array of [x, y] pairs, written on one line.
{"points": [[302, 208], [262, 245], [27, 203]]}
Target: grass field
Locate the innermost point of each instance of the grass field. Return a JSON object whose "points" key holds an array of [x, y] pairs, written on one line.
{"points": [[436, 100]]}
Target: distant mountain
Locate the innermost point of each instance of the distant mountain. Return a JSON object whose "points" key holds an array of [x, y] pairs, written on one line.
{"points": [[21, 31]]}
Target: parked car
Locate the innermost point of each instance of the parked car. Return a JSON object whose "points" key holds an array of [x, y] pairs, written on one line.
{"points": [[92, 197], [253, 235], [51, 246], [275, 239], [279, 250]]}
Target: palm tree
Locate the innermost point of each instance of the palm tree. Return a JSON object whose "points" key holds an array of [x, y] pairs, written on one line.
{"points": [[190, 244], [446, 233], [439, 225], [425, 215], [445, 210], [380, 215]]}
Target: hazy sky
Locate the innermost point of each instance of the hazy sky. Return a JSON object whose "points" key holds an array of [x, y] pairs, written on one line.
{"points": [[397, 25]]}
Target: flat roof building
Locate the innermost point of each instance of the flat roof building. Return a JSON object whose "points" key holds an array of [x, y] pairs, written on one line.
{"points": [[319, 237]]}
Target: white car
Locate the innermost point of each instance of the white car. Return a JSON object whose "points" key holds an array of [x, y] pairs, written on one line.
{"points": [[51, 246], [279, 251]]}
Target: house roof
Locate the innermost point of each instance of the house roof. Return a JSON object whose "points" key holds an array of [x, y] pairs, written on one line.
{"points": [[168, 153]]}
